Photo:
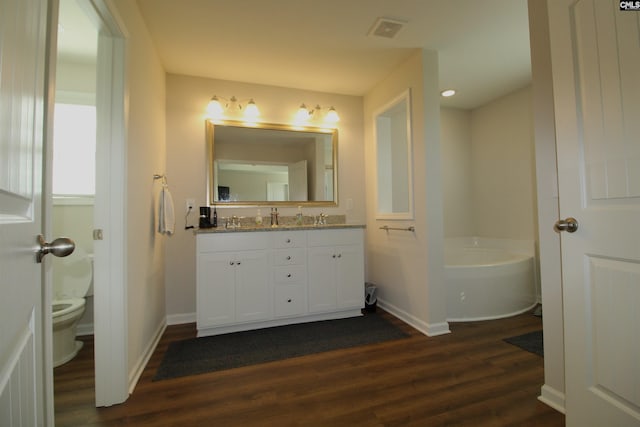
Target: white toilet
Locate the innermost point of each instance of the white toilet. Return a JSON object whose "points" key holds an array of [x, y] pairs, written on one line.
{"points": [[72, 280]]}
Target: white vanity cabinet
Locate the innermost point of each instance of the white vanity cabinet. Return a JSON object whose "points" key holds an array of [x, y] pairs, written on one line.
{"points": [[336, 270], [232, 280], [254, 279]]}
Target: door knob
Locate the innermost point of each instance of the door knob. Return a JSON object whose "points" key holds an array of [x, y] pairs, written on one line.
{"points": [[569, 225], [60, 247]]}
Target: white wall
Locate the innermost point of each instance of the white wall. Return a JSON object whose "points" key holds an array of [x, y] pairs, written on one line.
{"points": [[489, 169], [503, 171], [76, 77], [457, 172], [146, 154], [408, 267], [248, 185], [187, 98]]}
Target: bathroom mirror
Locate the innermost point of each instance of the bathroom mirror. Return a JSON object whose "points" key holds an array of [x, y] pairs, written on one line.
{"points": [[253, 164], [392, 130]]}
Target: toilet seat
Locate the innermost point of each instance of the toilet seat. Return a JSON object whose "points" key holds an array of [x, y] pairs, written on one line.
{"points": [[62, 307], [77, 270]]}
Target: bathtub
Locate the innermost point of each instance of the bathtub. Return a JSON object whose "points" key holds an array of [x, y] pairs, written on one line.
{"points": [[488, 278]]}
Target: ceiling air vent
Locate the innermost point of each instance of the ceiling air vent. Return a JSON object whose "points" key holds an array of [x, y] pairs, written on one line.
{"points": [[386, 27]]}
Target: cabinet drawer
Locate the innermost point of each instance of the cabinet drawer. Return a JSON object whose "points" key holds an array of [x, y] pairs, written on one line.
{"points": [[290, 300], [344, 236], [290, 274], [288, 239], [240, 241], [295, 256]]}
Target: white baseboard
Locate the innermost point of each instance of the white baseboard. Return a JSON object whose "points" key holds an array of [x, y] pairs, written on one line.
{"points": [[181, 319], [430, 330], [135, 374], [207, 331], [552, 397]]}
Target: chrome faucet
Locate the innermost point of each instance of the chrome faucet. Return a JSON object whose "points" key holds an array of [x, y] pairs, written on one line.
{"points": [[321, 219], [232, 222]]}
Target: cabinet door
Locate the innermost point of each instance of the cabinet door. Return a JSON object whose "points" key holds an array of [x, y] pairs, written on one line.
{"points": [[322, 279], [215, 289], [253, 292], [350, 276]]}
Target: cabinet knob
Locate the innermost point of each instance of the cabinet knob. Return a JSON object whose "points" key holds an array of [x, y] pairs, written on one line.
{"points": [[333, 256], [288, 240], [288, 257], [339, 255], [289, 275], [238, 263], [231, 263], [289, 300]]}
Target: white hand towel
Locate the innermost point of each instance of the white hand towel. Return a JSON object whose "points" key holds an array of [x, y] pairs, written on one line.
{"points": [[166, 216]]}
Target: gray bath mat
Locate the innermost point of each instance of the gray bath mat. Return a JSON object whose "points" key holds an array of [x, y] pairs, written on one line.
{"points": [[215, 353], [532, 342]]}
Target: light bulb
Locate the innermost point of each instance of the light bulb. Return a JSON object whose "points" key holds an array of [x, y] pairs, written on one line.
{"points": [[214, 109], [332, 116], [251, 111], [447, 93], [303, 113]]}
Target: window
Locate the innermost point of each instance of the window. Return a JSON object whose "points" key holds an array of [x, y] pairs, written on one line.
{"points": [[74, 150]]}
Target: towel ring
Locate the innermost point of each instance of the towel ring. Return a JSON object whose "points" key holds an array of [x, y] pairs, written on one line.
{"points": [[162, 177]]}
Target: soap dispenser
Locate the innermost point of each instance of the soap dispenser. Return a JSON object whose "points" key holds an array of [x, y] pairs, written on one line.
{"points": [[299, 218], [215, 217]]}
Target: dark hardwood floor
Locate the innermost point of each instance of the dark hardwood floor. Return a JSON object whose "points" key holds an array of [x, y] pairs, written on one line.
{"points": [[467, 378]]}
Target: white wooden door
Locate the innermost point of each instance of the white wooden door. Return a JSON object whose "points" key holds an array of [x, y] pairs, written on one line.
{"points": [[595, 51], [298, 181], [277, 191], [22, 78]]}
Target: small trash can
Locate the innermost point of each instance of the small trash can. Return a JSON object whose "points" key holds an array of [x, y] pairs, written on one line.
{"points": [[370, 298]]}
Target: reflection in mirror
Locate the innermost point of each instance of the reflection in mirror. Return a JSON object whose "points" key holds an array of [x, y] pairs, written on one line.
{"points": [[393, 159], [269, 164]]}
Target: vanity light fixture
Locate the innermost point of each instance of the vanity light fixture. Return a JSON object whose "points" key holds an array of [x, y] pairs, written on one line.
{"points": [[219, 106], [448, 92], [306, 114]]}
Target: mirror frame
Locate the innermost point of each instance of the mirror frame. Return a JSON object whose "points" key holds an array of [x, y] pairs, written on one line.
{"points": [[210, 125], [402, 98]]}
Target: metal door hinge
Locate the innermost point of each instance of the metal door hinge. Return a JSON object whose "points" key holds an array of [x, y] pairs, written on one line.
{"points": [[97, 234]]}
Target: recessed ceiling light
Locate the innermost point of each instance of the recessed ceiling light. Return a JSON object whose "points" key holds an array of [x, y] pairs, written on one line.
{"points": [[448, 92]]}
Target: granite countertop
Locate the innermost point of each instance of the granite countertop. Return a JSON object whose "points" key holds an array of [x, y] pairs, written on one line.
{"points": [[287, 227], [285, 223]]}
